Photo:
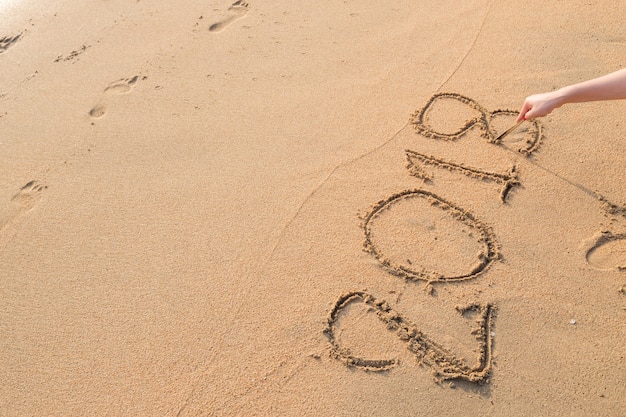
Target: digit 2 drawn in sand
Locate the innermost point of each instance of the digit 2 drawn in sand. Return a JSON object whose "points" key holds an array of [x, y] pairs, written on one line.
{"points": [[424, 244], [444, 364]]}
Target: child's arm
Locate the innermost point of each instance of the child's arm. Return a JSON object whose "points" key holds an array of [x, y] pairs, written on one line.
{"points": [[608, 87]]}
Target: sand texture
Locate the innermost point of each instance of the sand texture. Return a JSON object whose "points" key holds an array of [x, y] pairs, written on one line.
{"points": [[280, 208]]}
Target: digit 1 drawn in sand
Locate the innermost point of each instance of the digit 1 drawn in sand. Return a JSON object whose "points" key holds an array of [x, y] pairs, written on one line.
{"points": [[483, 119], [122, 86], [21, 203], [507, 180], [8, 41], [411, 231], [445, 365], [237, 10]]}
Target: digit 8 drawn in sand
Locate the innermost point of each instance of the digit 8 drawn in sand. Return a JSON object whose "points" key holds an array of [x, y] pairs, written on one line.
{"points": [[420, 121]]}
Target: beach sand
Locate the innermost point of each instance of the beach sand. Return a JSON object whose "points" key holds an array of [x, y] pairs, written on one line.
{"points": [[211, 208]]}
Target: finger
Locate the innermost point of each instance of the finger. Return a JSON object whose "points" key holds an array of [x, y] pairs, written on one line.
{"points": [[536, 111], [530, 114], [523, 113]]}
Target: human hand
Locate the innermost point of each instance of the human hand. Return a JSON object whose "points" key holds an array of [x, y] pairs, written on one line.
{"points": [[539, 105]]}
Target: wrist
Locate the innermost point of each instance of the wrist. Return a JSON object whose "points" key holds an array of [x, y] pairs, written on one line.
{"points": [[560, 96]]}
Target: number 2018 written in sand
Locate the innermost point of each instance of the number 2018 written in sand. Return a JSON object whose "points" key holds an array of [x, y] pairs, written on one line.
{"points": [[465, 229]]}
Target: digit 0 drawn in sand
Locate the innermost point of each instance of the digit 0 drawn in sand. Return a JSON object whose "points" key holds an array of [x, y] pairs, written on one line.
{"points": [[422, 118], [507, 180], [410, 233], [236, 11], [21, 203], [8, 41], [122, 86], [445, 365], [608, 252]]}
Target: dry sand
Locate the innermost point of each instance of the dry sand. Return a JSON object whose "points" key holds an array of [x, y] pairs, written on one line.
{"points": [[205, 209]]}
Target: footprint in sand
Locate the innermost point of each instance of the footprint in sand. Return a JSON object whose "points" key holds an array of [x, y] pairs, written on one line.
{"points": [[122, 86], [608, 252], [8, 41], [20, 203], [236, 11]]}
